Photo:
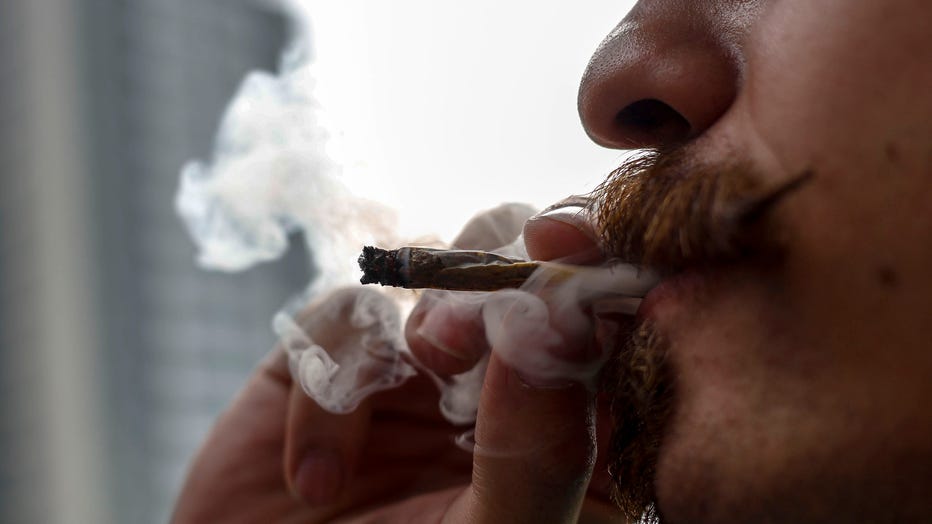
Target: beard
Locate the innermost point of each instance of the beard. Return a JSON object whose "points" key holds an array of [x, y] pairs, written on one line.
{"points": [[666, 212], [640, 384]]}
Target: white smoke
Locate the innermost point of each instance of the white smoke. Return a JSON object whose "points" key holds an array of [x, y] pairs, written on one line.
{"points": [[276, 170], [348, 349]]}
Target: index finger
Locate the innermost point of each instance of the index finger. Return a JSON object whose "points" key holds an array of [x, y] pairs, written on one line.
{"points": [[444, 332]]}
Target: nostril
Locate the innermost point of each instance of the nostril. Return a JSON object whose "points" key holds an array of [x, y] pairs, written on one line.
{"points": [[652, 123]]}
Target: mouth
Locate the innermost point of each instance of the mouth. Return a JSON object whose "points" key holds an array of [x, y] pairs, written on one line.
{"points": [[701, 224], [693, 225], [669, 294]]}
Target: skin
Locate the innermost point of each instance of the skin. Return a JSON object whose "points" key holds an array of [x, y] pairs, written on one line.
{"points": [[275, 456], [802, 390]]}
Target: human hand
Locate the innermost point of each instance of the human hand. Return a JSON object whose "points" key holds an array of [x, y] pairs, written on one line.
{"points": [[539, 450], [275, 456]]}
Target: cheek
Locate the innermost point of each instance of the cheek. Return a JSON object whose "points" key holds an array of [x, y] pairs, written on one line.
{"points": [[749, 406], [814, 368], [838, 77], [714, 452], [841, 88]]}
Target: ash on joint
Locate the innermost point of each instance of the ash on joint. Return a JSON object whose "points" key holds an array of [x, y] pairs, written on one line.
{"points": [[380, 266]]}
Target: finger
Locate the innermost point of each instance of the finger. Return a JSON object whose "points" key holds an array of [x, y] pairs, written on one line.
{"points": [[534, 453], [273, 368], [322, 449], [253, 425], [445, 333], [535, 447], [565, 233]]}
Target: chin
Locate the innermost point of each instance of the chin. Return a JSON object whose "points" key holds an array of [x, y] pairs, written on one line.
{"points": [[746, 443], [722, 446], [704, 476]]}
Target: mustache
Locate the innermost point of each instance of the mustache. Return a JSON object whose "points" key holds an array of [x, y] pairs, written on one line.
{"points": [[664, 210]]}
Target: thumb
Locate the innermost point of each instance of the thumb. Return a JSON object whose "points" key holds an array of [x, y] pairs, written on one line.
{"points": [[534, 454], [535, 447]]}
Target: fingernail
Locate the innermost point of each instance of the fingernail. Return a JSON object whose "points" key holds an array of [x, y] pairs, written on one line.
{"points": [[532, 382], [434, 340], [572, 215], [577, 201], [320, 476]]}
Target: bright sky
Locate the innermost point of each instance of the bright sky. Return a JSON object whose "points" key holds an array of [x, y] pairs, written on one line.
{"points": [[452, 107]]}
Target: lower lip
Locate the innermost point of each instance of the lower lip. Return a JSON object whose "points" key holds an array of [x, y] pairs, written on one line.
{"points": [[671, 293]]}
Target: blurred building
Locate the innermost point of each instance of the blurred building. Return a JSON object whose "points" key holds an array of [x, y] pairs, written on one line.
{"points": [[116, 351]]}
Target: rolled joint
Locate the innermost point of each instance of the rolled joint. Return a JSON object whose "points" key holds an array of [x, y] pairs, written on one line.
{"points": [[459, 270]]}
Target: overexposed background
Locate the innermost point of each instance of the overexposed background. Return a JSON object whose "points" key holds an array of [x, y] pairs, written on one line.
{"points": [[455, 108], [116, 351]]}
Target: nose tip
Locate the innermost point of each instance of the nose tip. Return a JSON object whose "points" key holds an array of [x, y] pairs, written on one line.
{"points": [[656, 81]]}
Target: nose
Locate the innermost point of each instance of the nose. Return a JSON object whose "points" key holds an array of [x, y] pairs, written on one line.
{"points": [[666, 73]]}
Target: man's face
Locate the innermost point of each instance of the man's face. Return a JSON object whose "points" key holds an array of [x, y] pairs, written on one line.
{"points": [[802, 388]]}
